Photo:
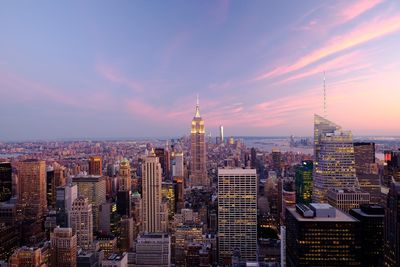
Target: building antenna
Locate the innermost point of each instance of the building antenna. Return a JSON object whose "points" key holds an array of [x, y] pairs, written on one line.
{"points": [[197, 99], [324, 96]]}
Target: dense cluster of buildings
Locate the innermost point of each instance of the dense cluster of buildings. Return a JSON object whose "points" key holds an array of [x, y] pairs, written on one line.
{"points": [[196, 202]]}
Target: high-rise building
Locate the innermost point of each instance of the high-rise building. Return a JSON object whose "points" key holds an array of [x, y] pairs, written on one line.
{"points": [[391, 166], [93, 187], [392, 227], [82, 222], [27, 256], [95, 165], [364, 154], [347, 199], [320, 235], [371, 219], [334, 159], [63, 247], [177, 164], [221, 133], [151, 190], [276, 160], [32, 201], [153, 250], [124, 189], [5, 181], [126, 236], [198, 175], [9, 240], [304, 182], [65, 196], [237, 214]]}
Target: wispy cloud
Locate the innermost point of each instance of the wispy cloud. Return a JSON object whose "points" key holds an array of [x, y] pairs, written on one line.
{"points": [[114, 75], [366, 32]]}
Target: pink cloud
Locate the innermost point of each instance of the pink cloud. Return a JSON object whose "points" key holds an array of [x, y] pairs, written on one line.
{"points": [[366, 32], [357, 8], [112, 74], [346, 63]]}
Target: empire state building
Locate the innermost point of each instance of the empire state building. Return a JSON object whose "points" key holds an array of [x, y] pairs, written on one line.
{"points": [[198, 175]]}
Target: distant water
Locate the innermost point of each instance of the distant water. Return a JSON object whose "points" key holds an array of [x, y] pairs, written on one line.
{"points": [[11, 155]]}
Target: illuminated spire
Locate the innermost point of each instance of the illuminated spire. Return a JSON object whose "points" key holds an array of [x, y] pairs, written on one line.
{"points": [[197, 108]]}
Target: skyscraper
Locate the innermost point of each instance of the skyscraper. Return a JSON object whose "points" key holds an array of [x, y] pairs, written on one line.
{"points": [[392, 166], [221, 133], [304, 182], [93, 187], [198, 175], [32, 201], [124, 189], [151, 190], [371, 219], [334, 159], [65, 196], [320, 235], [95, 165], [364, 154], [237, 214], [5, 181], [392, 226], [82, 222], [63, 247]]}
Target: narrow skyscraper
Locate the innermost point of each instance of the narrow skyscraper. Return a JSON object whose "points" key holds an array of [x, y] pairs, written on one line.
{"points": [[334, 159], [198, 175], [221, 134], [151, 186]]}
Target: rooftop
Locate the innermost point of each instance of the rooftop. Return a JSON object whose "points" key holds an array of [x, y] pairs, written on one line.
{"points": [[340, 216]]}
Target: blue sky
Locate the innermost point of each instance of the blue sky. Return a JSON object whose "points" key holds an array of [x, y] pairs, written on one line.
{"points": [[133, 68]]}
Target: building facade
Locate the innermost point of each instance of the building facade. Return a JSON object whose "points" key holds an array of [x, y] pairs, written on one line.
{"points": [[198, 170], [371, 219], [82, 222], [32, 201], [304, 182], [334, 159], [237, 214], [392, 227], [152, 196], [63, 247], [320, 235]]}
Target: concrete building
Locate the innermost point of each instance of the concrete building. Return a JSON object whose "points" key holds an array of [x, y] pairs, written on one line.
{"points": [[82, 222], [93, 187], [63, 247], [32, 201], [151, 190], [95, 165], [153, 250], [116, 260], [347, 199], [237, 214]]}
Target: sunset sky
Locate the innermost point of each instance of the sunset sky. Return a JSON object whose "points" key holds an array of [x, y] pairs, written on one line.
{"points": [[93, 69]]}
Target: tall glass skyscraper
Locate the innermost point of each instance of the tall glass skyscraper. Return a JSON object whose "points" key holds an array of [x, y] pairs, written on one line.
{"points": [[304, 182], [334, 158]]}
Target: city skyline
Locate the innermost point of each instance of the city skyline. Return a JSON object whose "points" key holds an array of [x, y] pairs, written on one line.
{"points": [[100, 70]]}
